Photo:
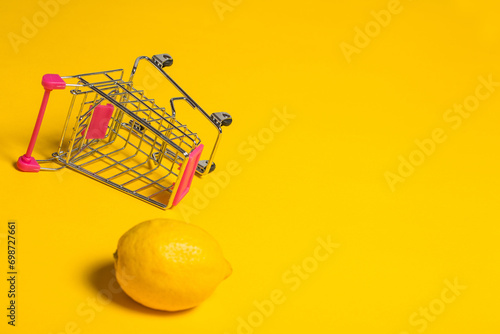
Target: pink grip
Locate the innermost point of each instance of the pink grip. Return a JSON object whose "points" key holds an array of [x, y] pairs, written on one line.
{"points": [[53, 81], [26, 162]]}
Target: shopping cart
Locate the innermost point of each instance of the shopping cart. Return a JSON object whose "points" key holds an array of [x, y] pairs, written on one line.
{"points": [[115, 134]]}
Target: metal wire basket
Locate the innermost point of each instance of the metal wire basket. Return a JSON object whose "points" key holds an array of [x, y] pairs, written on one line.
{"points": [[116, 134]]}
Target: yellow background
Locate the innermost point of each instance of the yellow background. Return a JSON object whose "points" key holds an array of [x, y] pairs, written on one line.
{"points": [[322, 176]]}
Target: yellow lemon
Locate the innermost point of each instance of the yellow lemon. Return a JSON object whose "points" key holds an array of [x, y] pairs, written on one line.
{"points": [[169, 265]]}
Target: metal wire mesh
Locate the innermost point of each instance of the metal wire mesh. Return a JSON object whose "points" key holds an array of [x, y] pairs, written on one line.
{"points": [[144, 145]]}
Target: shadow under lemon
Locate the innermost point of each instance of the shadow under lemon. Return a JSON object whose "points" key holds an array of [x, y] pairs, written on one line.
{"points": [[103, 279]]}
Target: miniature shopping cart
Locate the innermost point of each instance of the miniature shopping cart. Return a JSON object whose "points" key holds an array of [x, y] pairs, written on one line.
{"points": [[116, 134]]}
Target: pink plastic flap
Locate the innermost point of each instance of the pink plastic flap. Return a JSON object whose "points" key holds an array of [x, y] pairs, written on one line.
{"points": [[185, 182], [100, 120]]}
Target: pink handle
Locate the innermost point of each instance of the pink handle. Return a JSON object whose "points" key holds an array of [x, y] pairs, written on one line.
{"points": [[26, 162]]}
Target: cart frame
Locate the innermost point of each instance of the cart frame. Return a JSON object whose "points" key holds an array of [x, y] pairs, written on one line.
{"points": [[129, 143]]}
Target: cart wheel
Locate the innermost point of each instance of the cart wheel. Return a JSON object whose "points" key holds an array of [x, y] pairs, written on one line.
{"points": [[223, 118], [163, 60], [202, 165]]}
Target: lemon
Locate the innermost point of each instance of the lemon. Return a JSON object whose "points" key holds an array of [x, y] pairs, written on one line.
{"points": [[169, 265]]}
